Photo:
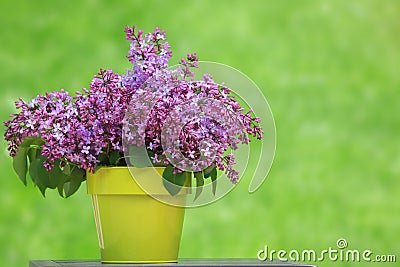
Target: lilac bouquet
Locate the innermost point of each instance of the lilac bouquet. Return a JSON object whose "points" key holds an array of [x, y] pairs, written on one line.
{"points": [[57, 137]]}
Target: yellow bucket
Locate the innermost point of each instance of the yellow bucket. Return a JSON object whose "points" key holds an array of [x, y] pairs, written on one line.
{"points": [[133, 227]]}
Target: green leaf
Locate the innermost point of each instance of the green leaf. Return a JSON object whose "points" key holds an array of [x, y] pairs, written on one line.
{"points": [[98, 167], [20, 164], [39, 175], [103, 158], [33, 170], [56, 178], [150, 153], [55, 175], [70, 188], [199, 183], [32, 153], [60, 187], [207, 171], [213, 175], [50, 179], [76, 178], [137, 158], [176, 181], [67, 170], [31, 140], [114, 156], [65, 177], [79, 172]]}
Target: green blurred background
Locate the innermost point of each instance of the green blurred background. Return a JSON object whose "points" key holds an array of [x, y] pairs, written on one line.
{"points": [[329, 69]]}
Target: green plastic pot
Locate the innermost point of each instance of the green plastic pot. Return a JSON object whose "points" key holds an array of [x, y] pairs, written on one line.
{"points": [[133, 227]]}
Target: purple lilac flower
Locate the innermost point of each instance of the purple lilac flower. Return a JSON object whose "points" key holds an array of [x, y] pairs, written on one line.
{"points": [[53, 118], [78, 129], [101, 109], [147, 53], [168, 90]]}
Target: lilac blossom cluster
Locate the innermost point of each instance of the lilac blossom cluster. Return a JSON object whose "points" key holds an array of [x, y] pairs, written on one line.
{"points": [[78, 129], [167, 121], [101, 110], [54, 119], [148, 53], [200, 142]]}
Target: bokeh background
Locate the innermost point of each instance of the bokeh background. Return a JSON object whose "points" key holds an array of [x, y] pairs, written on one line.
{"points": [[329, 69]]}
